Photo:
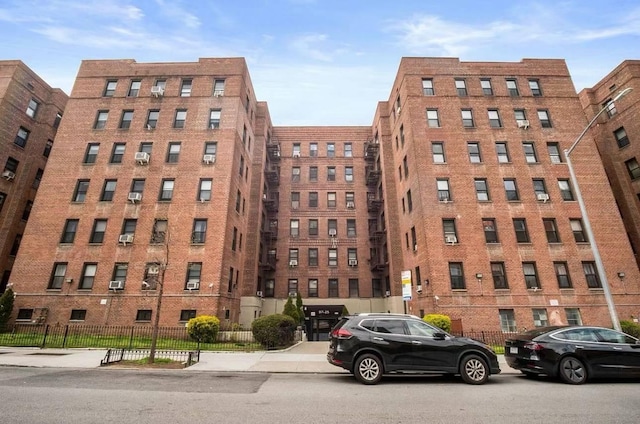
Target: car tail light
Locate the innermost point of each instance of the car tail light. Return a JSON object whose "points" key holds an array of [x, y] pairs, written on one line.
{"points": [[341, 333], [533, 346]]}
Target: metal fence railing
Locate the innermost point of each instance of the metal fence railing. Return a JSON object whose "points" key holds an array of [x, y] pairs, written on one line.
{"points": [[495, 339], [187, 358]]}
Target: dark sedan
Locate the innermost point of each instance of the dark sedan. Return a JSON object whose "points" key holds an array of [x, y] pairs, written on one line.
{"points": [[574, 353]]}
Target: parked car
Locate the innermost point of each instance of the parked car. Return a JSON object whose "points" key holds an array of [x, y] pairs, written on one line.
{"points": [[370, 345], [574, 353]]}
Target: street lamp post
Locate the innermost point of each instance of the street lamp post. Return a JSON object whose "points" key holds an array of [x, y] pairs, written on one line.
{"points": [[585, 218]]}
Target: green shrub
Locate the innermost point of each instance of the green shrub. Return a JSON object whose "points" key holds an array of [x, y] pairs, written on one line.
{"points": [[290, 310], [438, 320], [204, 328], [274, 331], [631, 328], [6, 306]]}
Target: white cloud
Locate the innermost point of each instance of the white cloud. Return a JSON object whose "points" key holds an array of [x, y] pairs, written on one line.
{"points": [[174, 11], [310, 46]]}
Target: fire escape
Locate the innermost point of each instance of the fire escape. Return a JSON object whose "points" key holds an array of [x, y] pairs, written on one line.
{"points": [[377, 233], [270, 200]]}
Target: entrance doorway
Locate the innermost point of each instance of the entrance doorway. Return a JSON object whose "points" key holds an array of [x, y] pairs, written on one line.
{"points": [[320, 319]]}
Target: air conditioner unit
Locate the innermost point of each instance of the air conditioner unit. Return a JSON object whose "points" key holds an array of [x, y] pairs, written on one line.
{"points": [[208, 159], [116, 285], [353, 262], [293, 294], [213, 126], [523, 123], [193, 285], [543, 197], [398, 109], [387, 293], [125, 238], [415, 247], [153, 270], [296, 154], [142, 158], [419, 288], [259, 293], [134, 197], [157, 91], [276, 153], [451, 239], [8, 175], [351, 205], [333, 232], [293, 262], [218, 93]]}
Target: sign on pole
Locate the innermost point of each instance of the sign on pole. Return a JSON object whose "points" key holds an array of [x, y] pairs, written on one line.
{"points": [[406, 285]]}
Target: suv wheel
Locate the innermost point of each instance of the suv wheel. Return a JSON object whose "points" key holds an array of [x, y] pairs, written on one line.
{"points": [[368, 369], [474, 370]]}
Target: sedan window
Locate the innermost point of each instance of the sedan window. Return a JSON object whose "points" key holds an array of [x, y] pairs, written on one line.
{"points": [[417, 328], [390, 326], [610, 336], [578, 334]]}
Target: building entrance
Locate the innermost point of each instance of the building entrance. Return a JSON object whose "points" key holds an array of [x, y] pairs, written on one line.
{"points": [[319, 319]]}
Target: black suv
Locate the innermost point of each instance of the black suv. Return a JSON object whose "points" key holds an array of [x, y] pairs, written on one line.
{"points": [[370, 345]]}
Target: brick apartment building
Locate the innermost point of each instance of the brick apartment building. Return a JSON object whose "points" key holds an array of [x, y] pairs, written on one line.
{"points": [[30, 111], [616, 133], [169, 177]]}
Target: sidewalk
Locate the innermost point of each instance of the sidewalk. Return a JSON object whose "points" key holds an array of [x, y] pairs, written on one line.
{"points": [[305, 357]]}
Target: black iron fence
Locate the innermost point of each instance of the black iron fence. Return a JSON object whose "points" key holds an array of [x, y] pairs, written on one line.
{"points": [[121, 337], [495, 339], [187, 358]]}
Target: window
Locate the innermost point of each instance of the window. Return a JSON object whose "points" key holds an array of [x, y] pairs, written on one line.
{"points": [[414, 238], [91, 153], [97, 233], [529, 152], [331, 150], [129, 226], [180, 119], [296, 147], [108, 190], [507, 321], [610, 107], [540, 317], [551, 230], [57, 275], [502, 152], [199, 232], [166, 190], [409, 200], [88, 275], [120, 272], [137, 186], [437, 150], [534, 85], [449, 229], [187, 314], [295, 200], [467, 118], [204, 189], [474, 152], [578, 231], [185, 88], [218, 87], [21, 137], [313, 199], [573, 316], [482, 189], [313, 227], [134, 88], [109, 89], [494, 118], [562, 275], [490, 230], [160, 84], [331, 200], [511, 189], [295, 174], [540, 189], [332, 226], [554, 152], [633, 168], [521, 117], [313, 173], [348, 174], [565, 189], [146, 147], [333, 257], [194, 272], [125, 120], [353, 287], [432, 118], [313, 288], [238, 197], [80, 193], [621, 137], [499, 276], [69, 231], [173, 152], [294, 228], [427, 87], [24, 314], [143, 315], [313, 150], [333, 287], [331, 173], [152, 119], [47, 148], [512, 88], [78, 315], [159, 231], [444, 195], [101, 119], [530, 275], [351, 228], [350, 199], [313, 257], [520, 227], [543, 116], [485, 84], [214, 118], [461, 87], [211, 148], [117, 153], [456, 275], [38, 178], [591, 274], [348, 150]]}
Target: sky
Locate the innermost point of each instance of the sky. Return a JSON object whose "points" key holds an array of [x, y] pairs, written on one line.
{"points": [[319, 62]]}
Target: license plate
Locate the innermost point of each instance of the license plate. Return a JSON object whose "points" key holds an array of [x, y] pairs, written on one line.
{"points": [[513, 350]]}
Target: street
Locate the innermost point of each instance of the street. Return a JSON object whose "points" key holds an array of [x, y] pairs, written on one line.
{"points": [[47, 395]]}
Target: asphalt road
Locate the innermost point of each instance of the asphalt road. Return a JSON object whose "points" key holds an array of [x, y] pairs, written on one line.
{"points": [[41, 395]]}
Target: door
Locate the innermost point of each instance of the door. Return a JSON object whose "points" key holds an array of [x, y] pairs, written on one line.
{"points": [[391, 339], [431, 353]]}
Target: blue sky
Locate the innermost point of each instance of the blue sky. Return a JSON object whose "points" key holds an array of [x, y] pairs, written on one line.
{"points": [[318, 62]]}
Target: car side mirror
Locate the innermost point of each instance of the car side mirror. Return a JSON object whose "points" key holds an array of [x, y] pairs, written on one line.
{"points": [[439, 336]]}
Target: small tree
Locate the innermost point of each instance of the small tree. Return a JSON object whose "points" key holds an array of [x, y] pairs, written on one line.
{"points": [[439, 320], [6, 307], [290, 310], [204, 328], [299, 308]]}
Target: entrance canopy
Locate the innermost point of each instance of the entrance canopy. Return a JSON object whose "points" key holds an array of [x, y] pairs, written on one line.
{"points": [[322, 311]]}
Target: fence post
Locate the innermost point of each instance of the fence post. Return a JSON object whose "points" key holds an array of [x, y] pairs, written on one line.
{"points": [[64, 338], [44, 338], [131, 337]]}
